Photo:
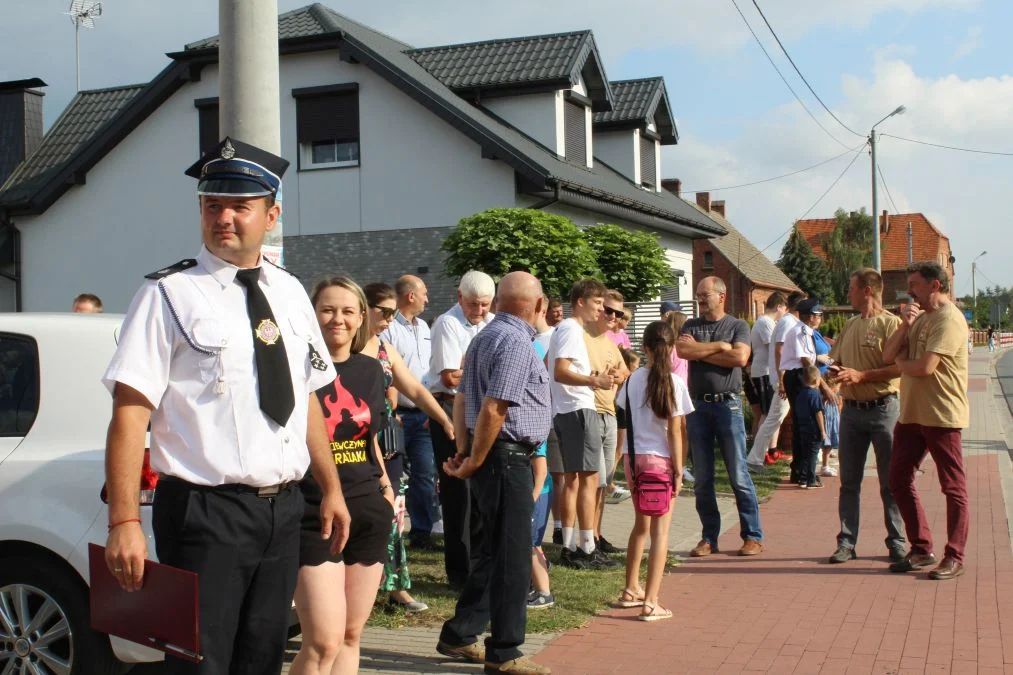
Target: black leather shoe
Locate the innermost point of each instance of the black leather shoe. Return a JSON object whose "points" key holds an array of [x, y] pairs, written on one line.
{"points": [[842, 555], [913, 561], [896, 553]]}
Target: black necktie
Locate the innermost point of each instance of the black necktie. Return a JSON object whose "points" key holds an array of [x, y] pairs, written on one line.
{"points": [[274, 379]]}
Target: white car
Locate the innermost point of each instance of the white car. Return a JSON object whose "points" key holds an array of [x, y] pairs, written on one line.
{"points": [[54, 412]]}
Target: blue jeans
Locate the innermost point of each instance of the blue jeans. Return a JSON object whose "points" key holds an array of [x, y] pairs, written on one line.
{"points": [[722, 423], [421, 465]]}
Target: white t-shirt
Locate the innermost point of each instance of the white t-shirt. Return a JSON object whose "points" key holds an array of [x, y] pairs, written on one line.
{"points": [[798, 345], [786, 322], [759, 342], [650, 431], [568, 343]]}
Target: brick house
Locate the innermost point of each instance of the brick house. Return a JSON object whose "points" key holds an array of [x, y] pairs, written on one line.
{"points": [[904, 238], [749, 275]]}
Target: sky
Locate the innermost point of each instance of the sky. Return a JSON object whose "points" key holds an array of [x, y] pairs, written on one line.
{"points": [[950, 62]]}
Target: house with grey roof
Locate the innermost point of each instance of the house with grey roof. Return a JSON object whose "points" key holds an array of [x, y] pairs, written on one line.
{"points": [[390, 145], [749, 275]]}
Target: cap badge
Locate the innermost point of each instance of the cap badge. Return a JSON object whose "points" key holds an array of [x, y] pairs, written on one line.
{"points": [[267, 332], [228, 152]]}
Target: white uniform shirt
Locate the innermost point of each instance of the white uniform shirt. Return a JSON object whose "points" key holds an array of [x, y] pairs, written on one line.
{"points": [[186, 344], [450, 336], [780, 329], [798, 344], [568, 343], [759, 342], [412, 341]]}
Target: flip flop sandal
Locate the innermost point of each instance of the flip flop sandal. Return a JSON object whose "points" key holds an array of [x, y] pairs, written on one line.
{"points": [[627, 600], [655, 613]]}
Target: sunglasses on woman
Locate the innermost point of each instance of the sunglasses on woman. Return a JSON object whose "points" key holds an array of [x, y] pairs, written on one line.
{"points": [[387, 312]]}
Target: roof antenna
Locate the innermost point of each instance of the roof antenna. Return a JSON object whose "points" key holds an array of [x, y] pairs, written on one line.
{"points": [[82, 13]]}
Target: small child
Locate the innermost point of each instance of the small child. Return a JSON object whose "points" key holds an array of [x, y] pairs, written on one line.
{"points": [[616, 493], [540, 596], [832, 421], [812, 434]]}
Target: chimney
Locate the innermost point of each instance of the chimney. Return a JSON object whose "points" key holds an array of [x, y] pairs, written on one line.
{"points": [[718, 206], [703, 200], [20, 122], [673, 185], [884, 223]]}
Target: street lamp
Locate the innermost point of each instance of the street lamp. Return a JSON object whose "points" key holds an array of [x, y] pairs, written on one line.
{"points": [[974, 290], [875, 202]]}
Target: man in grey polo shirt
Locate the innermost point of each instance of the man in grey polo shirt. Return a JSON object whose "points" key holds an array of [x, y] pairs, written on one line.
{"points": [[410, 337], [452, 332]]}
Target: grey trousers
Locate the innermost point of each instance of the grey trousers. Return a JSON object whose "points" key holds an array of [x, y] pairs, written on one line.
{"points": [[859, 428]]}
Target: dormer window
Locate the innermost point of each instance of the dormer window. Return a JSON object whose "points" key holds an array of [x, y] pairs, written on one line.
{"points": [[648, 160], [575, 108]]}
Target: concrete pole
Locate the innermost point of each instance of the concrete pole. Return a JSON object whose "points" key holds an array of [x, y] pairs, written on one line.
{"points": [[249, 104], [875, 206], [249, 108]]}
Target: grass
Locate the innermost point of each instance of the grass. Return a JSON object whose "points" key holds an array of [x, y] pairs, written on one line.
{"points": [[765, 483], [579, 594]]}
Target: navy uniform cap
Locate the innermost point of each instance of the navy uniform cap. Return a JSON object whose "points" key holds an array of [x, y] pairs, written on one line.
{"points": [[810, 306], [238, 169]]}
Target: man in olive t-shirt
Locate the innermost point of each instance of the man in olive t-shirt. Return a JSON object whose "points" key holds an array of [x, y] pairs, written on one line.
{"points": [[930, 350], [869, 389]]}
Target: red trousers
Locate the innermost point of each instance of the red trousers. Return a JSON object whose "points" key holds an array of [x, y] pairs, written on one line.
{"points": [[910, 444]]}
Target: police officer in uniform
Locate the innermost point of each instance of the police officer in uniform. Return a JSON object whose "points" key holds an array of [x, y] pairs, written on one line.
{"points": [[221, 355]]}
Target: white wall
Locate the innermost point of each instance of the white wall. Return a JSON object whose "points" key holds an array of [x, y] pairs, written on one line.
{"points": [[618, 149], [534, 114]]}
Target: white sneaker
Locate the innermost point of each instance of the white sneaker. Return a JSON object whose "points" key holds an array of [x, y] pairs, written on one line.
{"points": [[618, 494], [828, 471], [687, 476], [438, 527]]}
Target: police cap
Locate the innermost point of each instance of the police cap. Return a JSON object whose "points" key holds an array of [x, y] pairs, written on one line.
{"points": [[238, 169]]}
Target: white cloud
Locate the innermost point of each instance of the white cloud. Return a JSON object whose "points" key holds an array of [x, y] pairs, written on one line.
{"points": [[970, 43], [961, 193]]}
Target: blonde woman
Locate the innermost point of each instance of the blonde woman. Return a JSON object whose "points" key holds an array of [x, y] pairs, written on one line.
{"points": [[335, 593]]}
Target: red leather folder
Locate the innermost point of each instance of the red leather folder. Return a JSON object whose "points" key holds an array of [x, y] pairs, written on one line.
{"points": [[163, 615]]}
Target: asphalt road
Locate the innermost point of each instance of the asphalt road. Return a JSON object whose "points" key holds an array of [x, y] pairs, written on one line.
{"points": [[1004, 370]]}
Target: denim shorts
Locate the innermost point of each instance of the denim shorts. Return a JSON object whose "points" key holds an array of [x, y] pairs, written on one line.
{"points": [[540, 518]]}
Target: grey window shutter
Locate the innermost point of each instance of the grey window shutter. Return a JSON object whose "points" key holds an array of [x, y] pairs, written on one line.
{"points": [[333, 117], [648, 175], [575, 121]]}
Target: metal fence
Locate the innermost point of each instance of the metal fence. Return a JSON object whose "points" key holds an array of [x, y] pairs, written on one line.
{"points": [[646, 312]]}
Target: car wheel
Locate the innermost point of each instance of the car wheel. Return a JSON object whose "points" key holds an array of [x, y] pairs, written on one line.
{"points": [[44, 622]]}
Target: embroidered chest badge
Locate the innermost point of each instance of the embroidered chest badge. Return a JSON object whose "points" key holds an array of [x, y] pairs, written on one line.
{"points": [[267, 332]]}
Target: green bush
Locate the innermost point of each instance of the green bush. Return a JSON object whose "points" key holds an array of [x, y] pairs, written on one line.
{"points": [[631, 262]]}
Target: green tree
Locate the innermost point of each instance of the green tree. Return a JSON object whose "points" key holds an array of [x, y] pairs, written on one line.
{"points": [[805, 268], [632, 263], [499, 241], [848, 247]]}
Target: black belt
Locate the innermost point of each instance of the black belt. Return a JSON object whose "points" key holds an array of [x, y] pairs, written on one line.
{"points": [[717, 398], [264, 492], [402, 409], [443, 397], [508, 445], [869, 405]]}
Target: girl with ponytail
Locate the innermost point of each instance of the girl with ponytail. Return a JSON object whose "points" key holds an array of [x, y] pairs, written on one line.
{"points": [[654, 402]]}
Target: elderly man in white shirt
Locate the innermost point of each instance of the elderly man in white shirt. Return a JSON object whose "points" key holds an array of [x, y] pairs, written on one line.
{"points": [[451, 334]]}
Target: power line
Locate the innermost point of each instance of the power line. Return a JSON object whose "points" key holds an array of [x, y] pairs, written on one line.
{"points": [[887, 188], [949, 147], [783, 175], [783, 79], [809, 210], [792, 62]]}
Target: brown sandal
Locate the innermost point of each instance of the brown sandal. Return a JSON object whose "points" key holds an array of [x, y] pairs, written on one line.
{"points": [[655, 613], [627, 600]]}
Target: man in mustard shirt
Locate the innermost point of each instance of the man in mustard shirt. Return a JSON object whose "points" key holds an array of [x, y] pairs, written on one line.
{"points": [[869, 388], [930, 350]]}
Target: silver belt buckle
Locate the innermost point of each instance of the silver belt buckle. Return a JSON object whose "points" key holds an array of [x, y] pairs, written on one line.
{"points": [[268, 491]]}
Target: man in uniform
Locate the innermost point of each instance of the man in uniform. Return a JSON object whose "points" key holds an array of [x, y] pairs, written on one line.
{"points": [[452, 332], [501, 415], [222, 355]]}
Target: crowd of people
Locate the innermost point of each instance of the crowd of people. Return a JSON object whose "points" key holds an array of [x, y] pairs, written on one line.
{"points": [[294, 433]]}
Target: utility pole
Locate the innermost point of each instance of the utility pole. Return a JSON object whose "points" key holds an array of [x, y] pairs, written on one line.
{"points": [[875, 201], [250, 105]]}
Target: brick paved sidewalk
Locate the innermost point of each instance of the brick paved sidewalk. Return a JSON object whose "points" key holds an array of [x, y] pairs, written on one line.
{"points": [[788, 611]]}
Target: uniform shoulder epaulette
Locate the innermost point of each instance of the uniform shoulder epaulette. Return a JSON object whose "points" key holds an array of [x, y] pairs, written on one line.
{"points": [[172, 269], [283, 269]]}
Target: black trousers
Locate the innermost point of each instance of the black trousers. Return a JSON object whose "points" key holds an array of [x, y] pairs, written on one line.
{"points": [[245, 551], [497, 588], [792, 386], [461, 522]]}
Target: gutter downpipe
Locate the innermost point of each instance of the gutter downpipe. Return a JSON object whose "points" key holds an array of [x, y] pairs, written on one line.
{"points": [[547, 202]]}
